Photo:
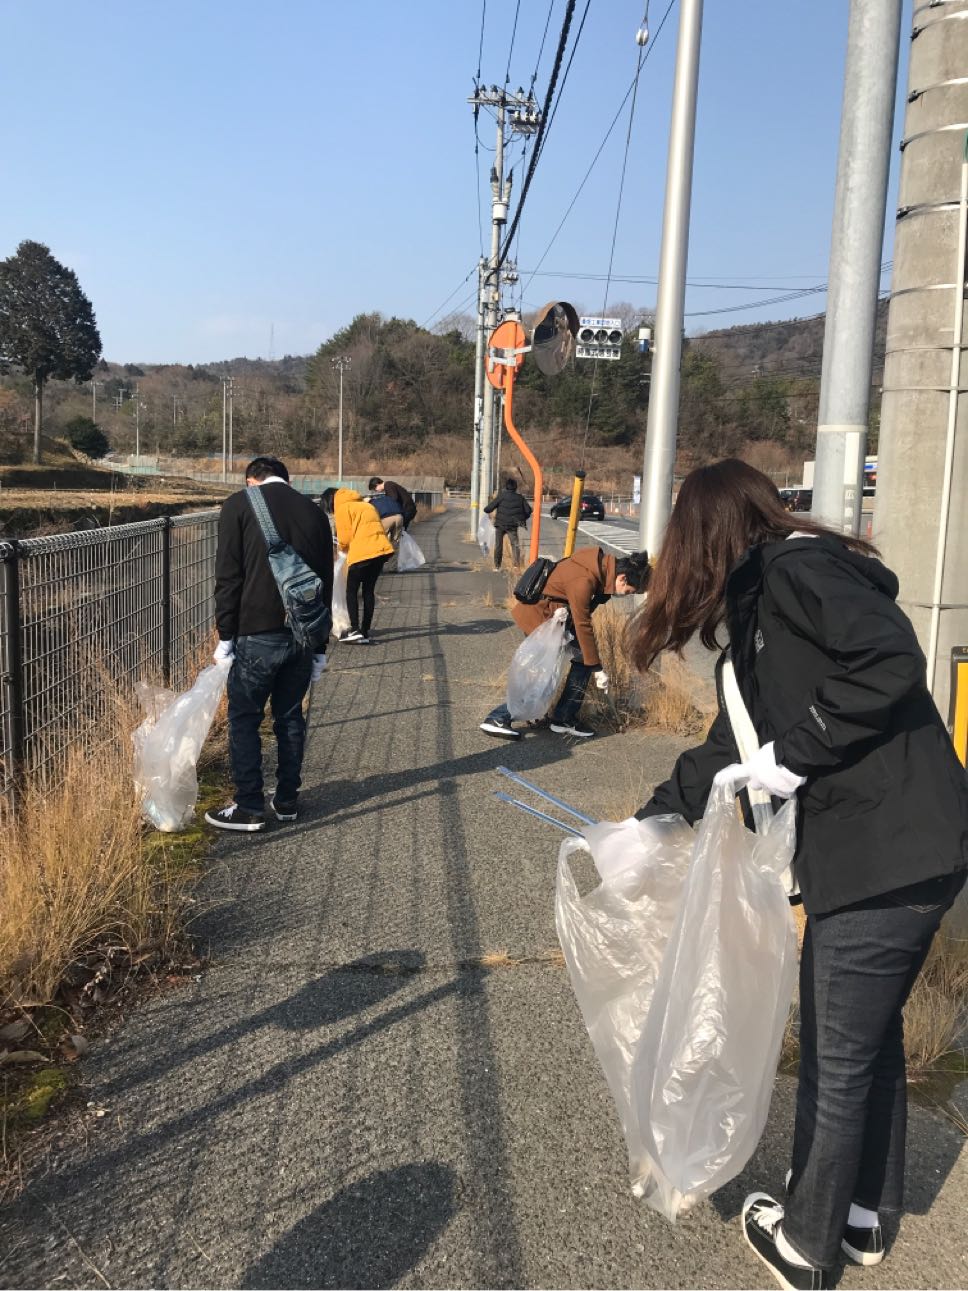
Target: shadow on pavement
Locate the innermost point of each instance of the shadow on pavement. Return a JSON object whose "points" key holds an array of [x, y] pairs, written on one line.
{"points": [[368, 1235], [337, 995]]}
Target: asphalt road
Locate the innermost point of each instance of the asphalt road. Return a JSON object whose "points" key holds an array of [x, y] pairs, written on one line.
{"points": [[383, 1077]]}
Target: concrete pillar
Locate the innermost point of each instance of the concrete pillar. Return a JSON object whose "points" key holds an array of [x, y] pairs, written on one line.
{"points": [[920, 339]]}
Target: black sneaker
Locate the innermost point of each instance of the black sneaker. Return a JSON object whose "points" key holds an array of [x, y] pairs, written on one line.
{"points": [[283, 810], [762, 1219], [862, 1245], [500, 726], [235, 817], [574, 729]]}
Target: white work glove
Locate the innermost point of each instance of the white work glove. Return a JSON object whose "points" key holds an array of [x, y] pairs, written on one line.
{"points": [[224, 650], [320, 663], [762, 772], [601, 681]]}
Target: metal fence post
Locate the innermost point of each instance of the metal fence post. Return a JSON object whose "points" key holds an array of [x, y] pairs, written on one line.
{"points": [[166, 601], [14, 678]]}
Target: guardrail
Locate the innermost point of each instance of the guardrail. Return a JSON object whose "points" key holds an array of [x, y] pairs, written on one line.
{"points": [[80, 614]]}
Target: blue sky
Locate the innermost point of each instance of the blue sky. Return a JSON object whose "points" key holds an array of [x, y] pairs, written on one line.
{"points": [[220, 173]]}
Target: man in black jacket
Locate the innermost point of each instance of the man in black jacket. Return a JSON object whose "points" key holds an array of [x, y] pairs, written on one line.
{"points": [[268, 664], [401, 496], [511, 513]]}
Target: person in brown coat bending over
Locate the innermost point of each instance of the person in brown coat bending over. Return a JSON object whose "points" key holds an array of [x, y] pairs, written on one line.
{"points": [[581, 583]]}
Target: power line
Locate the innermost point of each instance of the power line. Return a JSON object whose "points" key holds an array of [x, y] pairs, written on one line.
{"points": [[601, 148], [514, 32], [544, 37], [449, 298], [542, 126], [611, 253]]}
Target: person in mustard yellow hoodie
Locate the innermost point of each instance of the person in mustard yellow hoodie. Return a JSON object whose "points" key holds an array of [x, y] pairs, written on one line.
{"points": [[360, 536]]}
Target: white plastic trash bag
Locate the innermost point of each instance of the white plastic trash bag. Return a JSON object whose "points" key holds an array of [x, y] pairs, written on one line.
{"points": [[409, 555], [536, 669], [687, 984], [167, 745], [341, 616], [706, 1063], [613, 938], [486, 535]]}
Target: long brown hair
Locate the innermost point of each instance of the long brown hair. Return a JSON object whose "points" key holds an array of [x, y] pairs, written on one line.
{"points": [[721, 511]]}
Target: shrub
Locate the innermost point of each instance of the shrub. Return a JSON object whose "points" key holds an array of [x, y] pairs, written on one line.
{"points": [[86, 436]]}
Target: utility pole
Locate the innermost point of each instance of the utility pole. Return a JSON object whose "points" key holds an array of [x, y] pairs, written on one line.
{"points": [[853, 279], [660, 439], [94, 386], [922, 465], [476, 502], [341, 363], [525, 118], [225, 460], [231, 410]]}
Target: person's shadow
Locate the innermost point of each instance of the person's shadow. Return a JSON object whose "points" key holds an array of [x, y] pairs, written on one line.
{"points": [[369, 1235]]}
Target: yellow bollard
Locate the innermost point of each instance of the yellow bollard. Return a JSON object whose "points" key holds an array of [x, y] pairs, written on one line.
{"points": [[958, 710], [574, 514]]}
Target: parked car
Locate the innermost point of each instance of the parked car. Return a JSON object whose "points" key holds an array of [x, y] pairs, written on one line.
{"points": [[797, 499], [592, 508]]}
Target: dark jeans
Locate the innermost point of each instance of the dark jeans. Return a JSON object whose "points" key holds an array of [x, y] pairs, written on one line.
{"points": [[362, 577], [856, 971], [568, 706], [512, 537], [269, 666]]}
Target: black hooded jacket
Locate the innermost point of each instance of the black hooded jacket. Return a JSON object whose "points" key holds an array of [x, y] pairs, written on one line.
{"points": [[511, 510], [831, 671]]}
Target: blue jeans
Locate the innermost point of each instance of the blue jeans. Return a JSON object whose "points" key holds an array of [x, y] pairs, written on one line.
{"points": [[269, 666], [567, 707], [856, 971]]}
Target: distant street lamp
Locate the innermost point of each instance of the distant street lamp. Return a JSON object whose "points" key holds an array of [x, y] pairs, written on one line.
{"points": [[341, 362]]}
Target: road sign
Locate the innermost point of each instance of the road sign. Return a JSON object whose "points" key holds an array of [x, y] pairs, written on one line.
{"points": [[506, 348], [599, 338]]}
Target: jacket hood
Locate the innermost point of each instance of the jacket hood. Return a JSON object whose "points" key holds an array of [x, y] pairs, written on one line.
{"points": [[348, 495], [868, 567], [600, 566]]}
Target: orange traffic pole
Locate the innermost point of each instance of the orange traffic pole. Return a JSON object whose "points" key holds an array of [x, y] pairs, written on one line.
{"points": [[529, 457]]}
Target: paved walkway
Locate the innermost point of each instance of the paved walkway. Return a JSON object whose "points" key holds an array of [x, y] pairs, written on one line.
{"points": [[383, 1077]]}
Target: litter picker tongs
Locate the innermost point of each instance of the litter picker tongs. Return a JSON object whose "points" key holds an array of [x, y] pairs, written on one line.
{"points": [[546, 797]]}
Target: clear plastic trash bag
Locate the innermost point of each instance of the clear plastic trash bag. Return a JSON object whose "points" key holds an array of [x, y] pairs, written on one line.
{"points": [[409, 555], [536, 669], [614, 937], [690, 1048], [168, 742], [341, 615], [486, 535]]}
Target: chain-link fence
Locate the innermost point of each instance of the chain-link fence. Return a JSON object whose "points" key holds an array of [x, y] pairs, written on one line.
{"points": [[85, 615]]}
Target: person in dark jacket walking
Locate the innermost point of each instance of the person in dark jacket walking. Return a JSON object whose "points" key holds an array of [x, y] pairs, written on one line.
{"points": [[834, 680], [268, 664], [580, 583], [511, 512], [398, 494]]}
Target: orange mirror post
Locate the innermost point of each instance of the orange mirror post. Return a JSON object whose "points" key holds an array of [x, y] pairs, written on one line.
{"points": [[529, 457]]}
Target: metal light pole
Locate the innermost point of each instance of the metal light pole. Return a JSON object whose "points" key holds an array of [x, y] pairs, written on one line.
{"points": [[478, 404], [225, 461], [94, 386], [231, 437], [341, 363], [660, 439], [866, 125]]}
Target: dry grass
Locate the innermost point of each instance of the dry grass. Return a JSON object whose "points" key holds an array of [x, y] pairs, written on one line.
{"points": [[660, 700], [79, 869], [936, 1015], [74, 872]]}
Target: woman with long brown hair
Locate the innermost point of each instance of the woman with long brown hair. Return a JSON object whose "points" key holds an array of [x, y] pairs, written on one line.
{"points": [[834, 681]]}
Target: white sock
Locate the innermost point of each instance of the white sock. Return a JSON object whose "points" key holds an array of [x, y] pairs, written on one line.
{"points": [[788, 1253], [861, 1217]]}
